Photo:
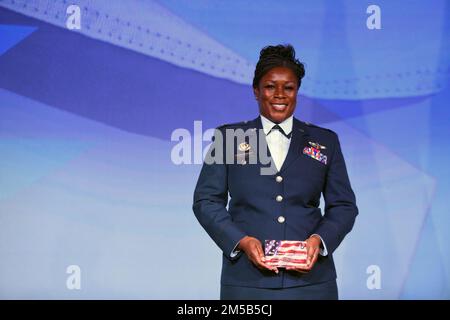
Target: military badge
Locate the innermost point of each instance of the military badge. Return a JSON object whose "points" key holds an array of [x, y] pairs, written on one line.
{"points": [[244, 146], [315, 153], [244, 154], [316, 145]]}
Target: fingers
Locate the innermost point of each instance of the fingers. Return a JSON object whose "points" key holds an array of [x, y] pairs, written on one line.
{"points": [[312, 250], [254, 251], [256, 256], [263, 265], [259, 250], [312, 255], [261, 260]]}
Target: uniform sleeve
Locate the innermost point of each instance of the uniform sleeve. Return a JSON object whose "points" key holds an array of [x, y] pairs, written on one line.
{"points": [[211, 198], [340, 203]]}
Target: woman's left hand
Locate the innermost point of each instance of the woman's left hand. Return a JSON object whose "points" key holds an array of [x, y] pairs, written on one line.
{"points": [[313, 248]]}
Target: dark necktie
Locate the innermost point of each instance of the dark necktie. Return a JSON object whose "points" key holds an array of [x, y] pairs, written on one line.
{"points": [[277, 127]]}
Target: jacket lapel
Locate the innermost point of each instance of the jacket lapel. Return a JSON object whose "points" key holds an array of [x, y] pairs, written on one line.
{"points": [[257, 124], [262, 143], [298, 141]]}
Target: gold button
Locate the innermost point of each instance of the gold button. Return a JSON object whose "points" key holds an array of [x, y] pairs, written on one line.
{"points": [[281, 219], [279, 179], [279, 198]]}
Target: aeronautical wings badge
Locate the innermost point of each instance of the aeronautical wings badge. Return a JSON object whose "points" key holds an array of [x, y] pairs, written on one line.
{"points": [[316, 145]]}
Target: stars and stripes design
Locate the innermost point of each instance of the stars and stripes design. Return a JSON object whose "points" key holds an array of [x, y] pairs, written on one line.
{"points": [[285, 253]]}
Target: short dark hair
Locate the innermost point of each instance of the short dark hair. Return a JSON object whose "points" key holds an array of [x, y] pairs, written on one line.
{"points": [[278, 56]]}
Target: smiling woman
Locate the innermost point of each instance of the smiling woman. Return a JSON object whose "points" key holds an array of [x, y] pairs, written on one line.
{"points": [[280, 208], [277, 94], [278, 76]]}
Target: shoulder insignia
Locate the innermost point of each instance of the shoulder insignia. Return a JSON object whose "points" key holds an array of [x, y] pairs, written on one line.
{"points": [[236, 124], [315, 126]]}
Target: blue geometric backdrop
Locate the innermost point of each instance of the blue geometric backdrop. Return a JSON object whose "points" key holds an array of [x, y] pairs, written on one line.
{"points": [[86, 117]]}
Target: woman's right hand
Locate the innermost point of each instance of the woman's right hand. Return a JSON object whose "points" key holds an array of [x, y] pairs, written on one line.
{"points": [[253, 249]]}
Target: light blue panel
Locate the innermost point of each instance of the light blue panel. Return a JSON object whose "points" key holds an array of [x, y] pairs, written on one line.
{"points": [[428, 277], [115, 210], [24, 161], [390, 192]]}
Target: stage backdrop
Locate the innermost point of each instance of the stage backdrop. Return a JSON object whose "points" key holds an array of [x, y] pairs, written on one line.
{"points": [[94, 202]]}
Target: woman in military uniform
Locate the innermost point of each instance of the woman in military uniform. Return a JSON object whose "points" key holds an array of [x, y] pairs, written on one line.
{"points": [[281, 205]]}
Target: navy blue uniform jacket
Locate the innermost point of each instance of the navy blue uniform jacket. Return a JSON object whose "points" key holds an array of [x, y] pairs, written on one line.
{"points": [[254, 211]]}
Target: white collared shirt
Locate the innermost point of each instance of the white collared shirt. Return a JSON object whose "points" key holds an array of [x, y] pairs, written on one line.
{"points": [[278, 143]]}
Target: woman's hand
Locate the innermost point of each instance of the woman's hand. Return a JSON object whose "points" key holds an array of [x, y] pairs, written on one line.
{"points": [[253, 249], [313, 248]]}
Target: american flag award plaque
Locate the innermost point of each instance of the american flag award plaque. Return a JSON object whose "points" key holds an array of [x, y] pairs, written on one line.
{"points": [[285, 253]]}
